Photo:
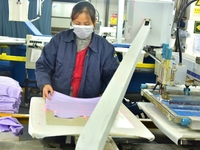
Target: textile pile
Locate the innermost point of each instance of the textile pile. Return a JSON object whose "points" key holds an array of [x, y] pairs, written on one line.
{"points": [[10, 100], [10, 95]]}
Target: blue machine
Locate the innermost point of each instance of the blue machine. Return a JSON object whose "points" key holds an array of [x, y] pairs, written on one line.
{"points": [[141, 75]]}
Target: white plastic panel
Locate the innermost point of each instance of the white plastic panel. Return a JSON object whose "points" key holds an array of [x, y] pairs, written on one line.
{"points": [[159, 12]]}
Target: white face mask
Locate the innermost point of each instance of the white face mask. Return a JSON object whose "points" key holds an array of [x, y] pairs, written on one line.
{"points": [[83, 31]]}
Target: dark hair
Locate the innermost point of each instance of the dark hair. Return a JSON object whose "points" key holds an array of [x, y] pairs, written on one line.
{"points": [[81, 7]]}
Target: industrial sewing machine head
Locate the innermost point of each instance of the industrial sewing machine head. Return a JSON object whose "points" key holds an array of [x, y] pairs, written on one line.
{"points": [[176, 72], [179, 79]]}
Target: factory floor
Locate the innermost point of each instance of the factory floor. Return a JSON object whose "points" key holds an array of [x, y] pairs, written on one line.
{"points": [[26, 142]]}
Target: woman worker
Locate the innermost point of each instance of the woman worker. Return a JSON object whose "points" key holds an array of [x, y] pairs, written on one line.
{"points": [[77, 62]]}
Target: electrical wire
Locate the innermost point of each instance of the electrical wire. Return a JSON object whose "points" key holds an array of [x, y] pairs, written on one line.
{"points": [[150, 51], [179, 5], [177, 32], [154, 57]]}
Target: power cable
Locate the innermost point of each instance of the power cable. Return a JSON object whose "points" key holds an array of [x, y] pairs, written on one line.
{"points": [[177, 32]]}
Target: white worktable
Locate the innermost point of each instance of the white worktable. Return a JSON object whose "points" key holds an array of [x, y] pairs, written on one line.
{"points": [[5, 40], [42, 125]]}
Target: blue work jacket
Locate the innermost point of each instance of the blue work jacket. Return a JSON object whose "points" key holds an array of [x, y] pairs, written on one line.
{"points": [[56, 64]]}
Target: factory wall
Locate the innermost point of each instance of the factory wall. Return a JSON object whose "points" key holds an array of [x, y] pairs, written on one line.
{"points": [[100, 5], [13, 69], [18, 29], [61, 12]]}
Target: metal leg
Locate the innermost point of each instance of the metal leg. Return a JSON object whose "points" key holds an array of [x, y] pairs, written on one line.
{"points": [[27, 93]]}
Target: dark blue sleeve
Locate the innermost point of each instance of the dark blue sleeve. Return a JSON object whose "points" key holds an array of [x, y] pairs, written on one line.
{"points": [[45, 64], [110, 65]]}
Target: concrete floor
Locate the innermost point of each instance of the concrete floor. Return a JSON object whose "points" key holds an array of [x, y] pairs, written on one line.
{"points": [[26, 142]]}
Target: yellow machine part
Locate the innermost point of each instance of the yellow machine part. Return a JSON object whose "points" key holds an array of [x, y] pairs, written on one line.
{"points": [[145, 65], [4, 56]]}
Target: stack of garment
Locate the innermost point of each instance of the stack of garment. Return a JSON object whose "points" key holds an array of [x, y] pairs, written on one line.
{"points": [[10, 95], [10, 100]]}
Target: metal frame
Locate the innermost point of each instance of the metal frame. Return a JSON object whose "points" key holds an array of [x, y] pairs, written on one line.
{"points": [[170, 114]]}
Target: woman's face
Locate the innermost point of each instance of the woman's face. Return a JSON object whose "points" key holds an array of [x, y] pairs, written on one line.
{"points": [[83, 19]]}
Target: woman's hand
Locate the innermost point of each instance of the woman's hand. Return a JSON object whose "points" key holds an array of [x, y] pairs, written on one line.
{"points": [[47, 89]]}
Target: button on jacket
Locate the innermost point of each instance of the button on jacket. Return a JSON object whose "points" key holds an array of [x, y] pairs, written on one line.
{"points": [[56, 64]]}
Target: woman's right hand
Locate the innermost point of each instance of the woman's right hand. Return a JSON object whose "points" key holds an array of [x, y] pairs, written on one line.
{"points": [[47, 89]]}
